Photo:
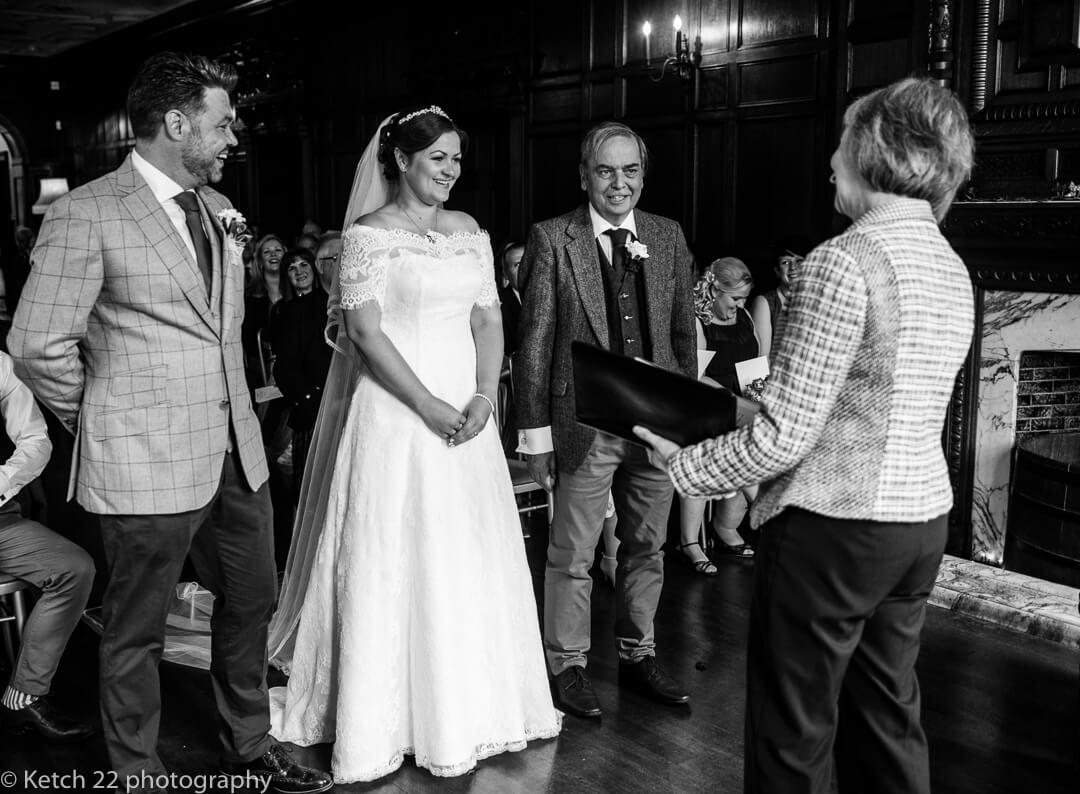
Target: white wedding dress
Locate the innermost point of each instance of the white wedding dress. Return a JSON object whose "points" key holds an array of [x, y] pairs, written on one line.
{"points": [[418, 632]]}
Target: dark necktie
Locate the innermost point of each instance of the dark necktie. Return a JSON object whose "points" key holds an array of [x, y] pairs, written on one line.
{"points": [[203, 256], [618, 248]]}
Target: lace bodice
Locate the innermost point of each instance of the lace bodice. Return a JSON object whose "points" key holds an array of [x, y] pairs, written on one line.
{"points": [[415, 266]]}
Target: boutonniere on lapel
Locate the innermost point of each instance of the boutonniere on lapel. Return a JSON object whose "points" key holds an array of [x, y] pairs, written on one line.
{"points": [[636, 254], [235, 225]]}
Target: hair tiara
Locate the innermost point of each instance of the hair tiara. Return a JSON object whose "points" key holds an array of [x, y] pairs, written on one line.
{"points": [[438, 111]]}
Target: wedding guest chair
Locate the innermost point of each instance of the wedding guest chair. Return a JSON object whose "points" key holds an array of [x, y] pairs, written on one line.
{"points": [[519, 469], [12, 613]]}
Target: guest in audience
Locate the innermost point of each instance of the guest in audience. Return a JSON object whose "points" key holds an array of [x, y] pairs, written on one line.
{"points": [[302, 356], [327, 257], [125, 334], [509, 260], [61, 571], [312, 228], [309, 241], [263, 292], [583, 278], [407, 615], [848, 443], [767, 308], [724, 326]]}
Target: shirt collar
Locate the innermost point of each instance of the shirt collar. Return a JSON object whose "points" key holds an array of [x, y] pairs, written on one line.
{"points": [[599, 225], [162, 186]]}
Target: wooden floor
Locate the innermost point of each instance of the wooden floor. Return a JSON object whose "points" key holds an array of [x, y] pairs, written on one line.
{"points": [[1000, 709]]}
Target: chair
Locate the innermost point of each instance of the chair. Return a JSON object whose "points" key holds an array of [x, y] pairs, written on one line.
{"points": [[12, 613], [519, 469]]}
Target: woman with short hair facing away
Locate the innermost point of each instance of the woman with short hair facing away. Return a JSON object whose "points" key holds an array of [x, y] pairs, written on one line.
{"points": [[855, 495]]}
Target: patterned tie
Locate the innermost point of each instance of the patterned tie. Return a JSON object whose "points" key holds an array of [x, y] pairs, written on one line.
{"points": [[618, 248], [203, 256]]}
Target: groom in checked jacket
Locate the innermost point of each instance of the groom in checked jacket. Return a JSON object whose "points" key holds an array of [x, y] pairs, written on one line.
{"points": [[580, 281], [128, 330]]}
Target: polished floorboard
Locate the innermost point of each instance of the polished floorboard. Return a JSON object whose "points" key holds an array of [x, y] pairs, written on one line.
{"points": [[1000, 709]]}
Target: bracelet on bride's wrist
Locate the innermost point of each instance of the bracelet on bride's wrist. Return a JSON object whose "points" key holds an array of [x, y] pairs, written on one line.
{"points": [[486, 399]]}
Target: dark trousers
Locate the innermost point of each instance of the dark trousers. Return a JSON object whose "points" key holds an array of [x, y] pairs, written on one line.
{"points": [[64, 574], [837, 610], [232, 549], [642, 496]]}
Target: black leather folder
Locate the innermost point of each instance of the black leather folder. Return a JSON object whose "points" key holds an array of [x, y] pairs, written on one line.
{"points": [[613, 393]]}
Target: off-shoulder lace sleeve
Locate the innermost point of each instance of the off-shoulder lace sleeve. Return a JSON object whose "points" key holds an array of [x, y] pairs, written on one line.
{"points": [[489, 294], [364, 260]]}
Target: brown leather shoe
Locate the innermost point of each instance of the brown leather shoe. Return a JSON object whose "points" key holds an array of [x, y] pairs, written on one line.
{"points": [[648, 678], [573, 693], [282, 774], [43, 718]]}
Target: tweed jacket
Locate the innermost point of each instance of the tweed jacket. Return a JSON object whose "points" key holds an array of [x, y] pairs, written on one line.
{"points": [[879, 322], [562, 296], [116, 335]]}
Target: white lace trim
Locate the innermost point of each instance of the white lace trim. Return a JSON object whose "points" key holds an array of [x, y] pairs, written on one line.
{"points": [[367, 251], [486, 750]]}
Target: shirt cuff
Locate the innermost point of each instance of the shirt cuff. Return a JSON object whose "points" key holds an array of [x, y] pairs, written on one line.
{"points": [[535, 441]]}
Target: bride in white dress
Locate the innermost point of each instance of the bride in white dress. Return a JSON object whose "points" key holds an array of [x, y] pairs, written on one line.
{"points": [[407, 619]]}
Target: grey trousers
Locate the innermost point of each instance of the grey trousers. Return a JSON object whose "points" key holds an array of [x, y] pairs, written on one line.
{"points": [[64, 574], [232, 547], [642, 496]]}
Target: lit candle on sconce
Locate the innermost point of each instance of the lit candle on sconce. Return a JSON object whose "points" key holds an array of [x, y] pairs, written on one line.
{"points": [[677, 24], [646, 31]]}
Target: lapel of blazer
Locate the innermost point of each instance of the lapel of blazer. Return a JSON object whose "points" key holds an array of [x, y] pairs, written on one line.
{"points": [[656, 271], [585, 265], [224, 272], [163, 238]]}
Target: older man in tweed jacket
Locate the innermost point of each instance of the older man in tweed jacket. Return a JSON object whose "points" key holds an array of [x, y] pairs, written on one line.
{"points": [[618, 278], [129, 331]]}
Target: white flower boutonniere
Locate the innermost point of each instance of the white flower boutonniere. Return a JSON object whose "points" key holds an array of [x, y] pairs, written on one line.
{"points": [[235, 225], [636, 254]]}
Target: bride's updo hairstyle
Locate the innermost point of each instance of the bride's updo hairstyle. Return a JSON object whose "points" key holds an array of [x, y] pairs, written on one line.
{"points": [[413, 131]]}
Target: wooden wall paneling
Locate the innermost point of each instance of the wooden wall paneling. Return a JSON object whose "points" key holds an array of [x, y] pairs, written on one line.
{"points": [[764, 82], [719, 21], [1049, 34], [558, 36], [604, 34], [713, 92], [714, 216], [667, 183], [877, 63], [604, 101], [558, 103], [869, 11], [777, 190], [764, 22], [647, 97], [555, 186]]}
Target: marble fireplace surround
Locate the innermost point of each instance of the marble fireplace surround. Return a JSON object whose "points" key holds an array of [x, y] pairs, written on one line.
{"points": [[1013, 323]]}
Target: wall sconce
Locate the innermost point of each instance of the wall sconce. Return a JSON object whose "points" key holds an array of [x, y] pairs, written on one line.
{"points": [[52, 188], [683, 62]]}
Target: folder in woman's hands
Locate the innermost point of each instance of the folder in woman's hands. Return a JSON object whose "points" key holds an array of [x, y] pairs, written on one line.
{"points": [[613, 393]]}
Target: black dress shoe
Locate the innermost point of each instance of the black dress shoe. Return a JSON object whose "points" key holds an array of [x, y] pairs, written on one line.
{"points": [[284, 775], [45, 719], [648, 678], [573, 693]]}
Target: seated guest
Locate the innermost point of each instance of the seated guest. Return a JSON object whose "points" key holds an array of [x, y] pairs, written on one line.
{"points": [[767, 307], [302, 357], [725, 327], [62, 571], [508, 262], [308, 241], [854, 509], [327, 258], [263, 291]]}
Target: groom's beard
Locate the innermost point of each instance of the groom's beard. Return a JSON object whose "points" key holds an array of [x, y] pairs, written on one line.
{"points": [[201, 164]]}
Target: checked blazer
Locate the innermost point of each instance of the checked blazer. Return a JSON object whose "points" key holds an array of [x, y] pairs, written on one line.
{"points": [[116, 335], [563, 300]]}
